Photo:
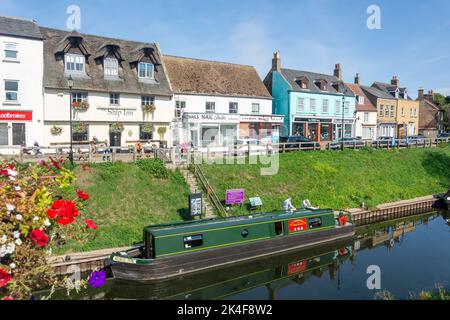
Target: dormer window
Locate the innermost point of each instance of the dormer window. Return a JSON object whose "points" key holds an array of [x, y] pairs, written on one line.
{"points": [[361, 100], [321, 84], [111, 66], [146, 70], [302, 82], [75, 63]]}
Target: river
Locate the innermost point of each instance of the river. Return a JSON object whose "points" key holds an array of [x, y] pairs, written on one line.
{"points": [[411, 255]]}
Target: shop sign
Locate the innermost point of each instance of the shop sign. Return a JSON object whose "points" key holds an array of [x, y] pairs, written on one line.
{"points": [[268, 119], [114, 112], [339, 121], [235, 196], [196, 204], [312, 120], [211, 117], [16, 116]]}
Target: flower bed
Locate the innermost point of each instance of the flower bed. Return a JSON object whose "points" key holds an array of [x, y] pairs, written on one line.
{"points": [[39, 209]]}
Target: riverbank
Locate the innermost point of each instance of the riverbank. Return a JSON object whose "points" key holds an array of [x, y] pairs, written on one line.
{"points": [[124, 198], [337, 180]]}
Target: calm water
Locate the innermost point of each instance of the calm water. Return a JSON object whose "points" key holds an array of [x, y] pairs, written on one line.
{"points": [[413, 255]]}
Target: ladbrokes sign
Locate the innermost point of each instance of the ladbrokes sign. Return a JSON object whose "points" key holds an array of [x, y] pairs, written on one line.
{"points": [[16, 116]]}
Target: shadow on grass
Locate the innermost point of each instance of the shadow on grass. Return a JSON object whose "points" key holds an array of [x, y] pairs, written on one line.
{"points": [[184, 214], [438, 165]]}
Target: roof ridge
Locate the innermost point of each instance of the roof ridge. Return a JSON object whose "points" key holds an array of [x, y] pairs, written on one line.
{"points": [[20, 19], [97, 36], [313, 72], [212, 61]]}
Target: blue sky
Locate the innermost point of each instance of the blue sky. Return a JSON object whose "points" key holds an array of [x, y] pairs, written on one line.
{"points": [[312, 35]]}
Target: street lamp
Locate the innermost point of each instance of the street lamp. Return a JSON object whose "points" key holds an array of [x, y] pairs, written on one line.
{"points": [[343, 120], [70, 85]]}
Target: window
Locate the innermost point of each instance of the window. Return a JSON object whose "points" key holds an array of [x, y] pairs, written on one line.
{"points": [[300, 105], [312, 105], [347, 107], [338, 107], [18, 134], [114, 99], [367, 133], [392, 112], [193, 242], [255, 108], [79, 96], [75, 63], [111, 66], [234, 107], [12, 90], [279, 230], [403, 112], [82, 134], [314, 223], [386, 111], [210, 107], [381, 111], [144, 134], [146, 70], [179, 108], [325, 108], [145, 100], [366, 117], [11, 52], [4, 134], [361, 100]]}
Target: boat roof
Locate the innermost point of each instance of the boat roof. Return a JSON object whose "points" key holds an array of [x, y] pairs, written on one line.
{"points": [[197, 225]]}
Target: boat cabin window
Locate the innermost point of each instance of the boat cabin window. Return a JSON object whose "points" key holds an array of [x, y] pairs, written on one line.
{"points": [[279, 228], [314, 223], [193, 242]]}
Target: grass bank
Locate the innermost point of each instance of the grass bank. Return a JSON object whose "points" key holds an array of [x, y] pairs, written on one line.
{"points": [[339, 179], [124, 198]]}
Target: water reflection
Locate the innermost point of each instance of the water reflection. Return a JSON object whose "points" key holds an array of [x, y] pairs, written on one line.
{"points": [[325, 272]]}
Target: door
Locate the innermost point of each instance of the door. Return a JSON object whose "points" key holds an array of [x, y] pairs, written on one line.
{"points": [[115, 139], [18, 130], [313, 133]]}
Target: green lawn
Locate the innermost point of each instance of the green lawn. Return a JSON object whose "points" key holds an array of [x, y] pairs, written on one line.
{"points": [[339, 179], [124, 198]]}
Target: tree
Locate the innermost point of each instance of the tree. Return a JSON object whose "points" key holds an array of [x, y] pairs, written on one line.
{"points": [[444, 102]]}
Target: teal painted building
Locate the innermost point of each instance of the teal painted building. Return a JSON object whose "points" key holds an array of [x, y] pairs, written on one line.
{"points": [[314, 105]]}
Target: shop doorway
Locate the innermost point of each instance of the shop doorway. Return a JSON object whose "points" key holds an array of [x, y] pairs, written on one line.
{"points": [[115, 139], [313, 131]]}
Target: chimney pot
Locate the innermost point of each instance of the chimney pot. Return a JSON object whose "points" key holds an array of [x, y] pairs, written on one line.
{"points": [[420, 95], [276, 62], [357, 79], [395, 82], [338, 71]]}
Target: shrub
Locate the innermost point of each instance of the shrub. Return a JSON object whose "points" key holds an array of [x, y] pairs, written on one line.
{"points": [[154, 168]]}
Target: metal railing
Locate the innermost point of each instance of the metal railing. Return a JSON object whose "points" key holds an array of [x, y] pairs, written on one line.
{"points": [[201, 178]]}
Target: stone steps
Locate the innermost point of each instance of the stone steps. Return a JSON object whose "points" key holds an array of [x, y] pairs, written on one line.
{"points": [[195, 188]]}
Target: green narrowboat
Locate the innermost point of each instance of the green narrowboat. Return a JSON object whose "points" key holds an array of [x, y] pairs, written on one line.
{"points": [[172, 250]]}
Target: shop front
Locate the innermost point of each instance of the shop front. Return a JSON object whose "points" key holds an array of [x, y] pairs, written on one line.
{"points": [[316, 129], [349, 128], [210, 130], [267, 129], [14, 127]]}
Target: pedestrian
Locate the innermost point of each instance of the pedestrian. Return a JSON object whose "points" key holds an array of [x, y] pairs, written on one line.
{"points": [[287, 206], [106, 151]]}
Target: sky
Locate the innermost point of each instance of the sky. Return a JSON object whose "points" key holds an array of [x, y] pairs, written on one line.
{"points": [[312, 35]]}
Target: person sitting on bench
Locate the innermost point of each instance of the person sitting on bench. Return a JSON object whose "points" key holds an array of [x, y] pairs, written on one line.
{"points": [[307, 205]]}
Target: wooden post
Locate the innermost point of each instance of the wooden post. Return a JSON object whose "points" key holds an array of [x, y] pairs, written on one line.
{"points": [[20, 155], [113, 154]]}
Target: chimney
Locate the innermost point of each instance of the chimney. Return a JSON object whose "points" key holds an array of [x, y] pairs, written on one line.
{"points": [[357, 79], [395, 82], [276, 62], [420, 96], [338, 71]]}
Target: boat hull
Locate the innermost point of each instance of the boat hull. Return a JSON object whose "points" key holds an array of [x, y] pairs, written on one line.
{"points": [[175, 266]]}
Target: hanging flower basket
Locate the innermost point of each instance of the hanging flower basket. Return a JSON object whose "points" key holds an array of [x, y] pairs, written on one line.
{"points": [[80, 106], [56, 131], [162, 131], [147, 128], [79, 127], [149, 108], [117, 128]]}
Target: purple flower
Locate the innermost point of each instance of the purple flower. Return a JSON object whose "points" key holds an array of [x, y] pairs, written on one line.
{"points": [[97, 279]]}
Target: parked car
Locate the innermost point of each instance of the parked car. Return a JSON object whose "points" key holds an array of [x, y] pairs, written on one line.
{"points": [[294, 142], [416, 139], [243, 146], [444, 135], [348, 143]]}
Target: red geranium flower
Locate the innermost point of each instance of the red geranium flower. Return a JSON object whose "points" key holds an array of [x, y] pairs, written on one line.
{"points": [[5, 277], [55, 163], [82, 195], [90, 224], [7, 298], [63, 210], [4, 170], [39, 237]]}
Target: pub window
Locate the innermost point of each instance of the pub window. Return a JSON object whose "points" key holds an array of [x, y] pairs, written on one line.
{"points": [[193, 242], [4, 134], [234, 107], [11, 52], [145, 134], [81, 134], [114, 99], [146, 70], [12, 90], [210, 107], [75, 63], [255, 108], [79, 96], [314, 223], [111, 66], [18, 134], [146, 100]]}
